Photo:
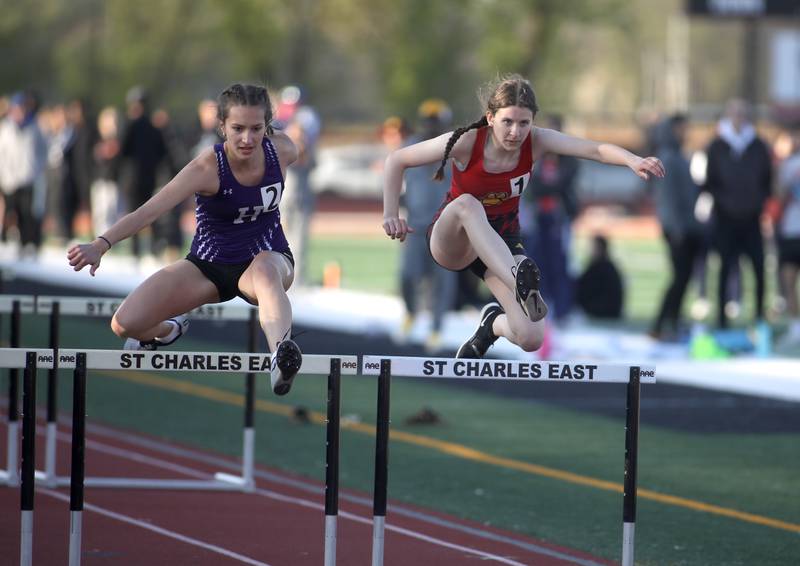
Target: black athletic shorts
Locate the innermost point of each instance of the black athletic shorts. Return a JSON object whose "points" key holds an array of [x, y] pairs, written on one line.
{"points": [[225, 276], [506, 225]]}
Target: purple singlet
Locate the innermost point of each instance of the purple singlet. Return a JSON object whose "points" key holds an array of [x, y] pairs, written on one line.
{"points": [[238, 222]]}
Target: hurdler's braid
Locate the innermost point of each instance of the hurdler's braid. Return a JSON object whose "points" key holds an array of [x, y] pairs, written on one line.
{"points": [[452, 141]]}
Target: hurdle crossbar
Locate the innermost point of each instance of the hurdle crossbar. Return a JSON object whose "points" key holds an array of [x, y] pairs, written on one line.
{"points": [[15, 305], [169, 361], [510, 370], [105, 307]]}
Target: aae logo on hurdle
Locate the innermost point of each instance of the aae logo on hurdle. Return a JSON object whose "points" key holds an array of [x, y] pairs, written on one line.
{"points": [[508, 369]]}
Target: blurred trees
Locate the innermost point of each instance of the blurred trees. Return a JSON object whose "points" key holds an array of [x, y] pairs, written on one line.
{"points": [[355, 59]]}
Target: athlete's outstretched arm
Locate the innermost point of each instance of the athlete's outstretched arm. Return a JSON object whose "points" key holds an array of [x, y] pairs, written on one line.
{"points": [[558, 142], [199, 176], [422, 153]]}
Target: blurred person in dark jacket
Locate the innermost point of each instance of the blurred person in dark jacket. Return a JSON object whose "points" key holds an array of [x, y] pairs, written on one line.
{"points": [[739, 178], [600, 291], [23, 161], [143, 149], [675, 200], [548, 206], [167, 240], [77, 167]]}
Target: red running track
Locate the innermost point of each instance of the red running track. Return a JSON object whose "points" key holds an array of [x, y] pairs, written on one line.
{"points": [[281, 524]]}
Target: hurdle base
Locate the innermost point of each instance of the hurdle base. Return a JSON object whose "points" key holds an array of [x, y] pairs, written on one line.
{"points": [[47, 479], [9, 480], [239, 481], [155, 483]]}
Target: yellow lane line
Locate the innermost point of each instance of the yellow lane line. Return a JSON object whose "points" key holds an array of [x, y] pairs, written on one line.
{"points": [[451, 448]]}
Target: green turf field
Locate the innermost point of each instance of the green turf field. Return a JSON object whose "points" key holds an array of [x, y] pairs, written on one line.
{"points": [[547, 472]]}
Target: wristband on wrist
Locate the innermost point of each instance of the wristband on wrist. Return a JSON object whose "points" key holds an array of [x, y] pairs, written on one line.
{"points": [[105, 240]]}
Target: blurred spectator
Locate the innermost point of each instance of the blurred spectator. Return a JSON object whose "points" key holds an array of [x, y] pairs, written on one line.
{"points": [[23, 159], [53, 124], [208, 119], [739, 177], [394, 133], [143, 149], [547, 208], [105, 200], [302, 124], [675, 200], [77, 168], [788, 237], [600, 290], [702, 212], [422, 198], [167, 234]]}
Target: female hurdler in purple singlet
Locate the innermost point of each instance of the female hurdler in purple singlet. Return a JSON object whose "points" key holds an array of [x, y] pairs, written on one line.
{"points": [[239, 247], [477, 226]]}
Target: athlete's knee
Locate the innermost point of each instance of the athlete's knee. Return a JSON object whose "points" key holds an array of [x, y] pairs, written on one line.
{"points": [[530, 337], [467, 205], [266, 273], [121, 326]]}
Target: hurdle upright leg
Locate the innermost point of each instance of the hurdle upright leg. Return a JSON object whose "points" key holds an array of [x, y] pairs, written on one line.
{"points": [[381, 463], [12, 444], [249, 439], [631, 457], [77, 472], [332, 461], [28, 459], [52, 402]]}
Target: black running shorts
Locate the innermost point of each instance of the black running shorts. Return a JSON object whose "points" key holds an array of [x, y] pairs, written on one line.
{"points": [[225, 276], [506, 225]]}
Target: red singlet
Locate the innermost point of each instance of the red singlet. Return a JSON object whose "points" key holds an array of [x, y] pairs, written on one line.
{"points": [[499, 192]]}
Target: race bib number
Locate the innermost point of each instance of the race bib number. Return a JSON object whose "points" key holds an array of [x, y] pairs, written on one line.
{"points": [[271, 196], [518, 184]]}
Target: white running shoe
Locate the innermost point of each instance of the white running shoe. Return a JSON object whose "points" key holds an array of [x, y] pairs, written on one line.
{"points": [[181, 323]]}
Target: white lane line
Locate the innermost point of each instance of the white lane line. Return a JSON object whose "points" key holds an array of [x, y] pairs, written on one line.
{"points": [[157, 530], [144, 459]]}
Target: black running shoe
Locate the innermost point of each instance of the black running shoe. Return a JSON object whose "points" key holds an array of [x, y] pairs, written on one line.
{"points": [[527, 290], [286, 363], [477, 344]]}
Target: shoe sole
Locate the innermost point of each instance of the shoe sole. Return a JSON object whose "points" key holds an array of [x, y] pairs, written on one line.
{"points": [[288, 360], [527, 291]]}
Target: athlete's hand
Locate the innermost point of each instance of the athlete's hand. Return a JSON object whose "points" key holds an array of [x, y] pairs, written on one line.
{"points": [[396, 228], [644, 167], [81, 255]]}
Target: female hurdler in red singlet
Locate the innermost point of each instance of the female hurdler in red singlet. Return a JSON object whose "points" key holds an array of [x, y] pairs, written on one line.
{"points": [[477, 226]]}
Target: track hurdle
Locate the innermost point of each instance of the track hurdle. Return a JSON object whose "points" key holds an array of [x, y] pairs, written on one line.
{"points": [[105, 307], [81, 361], [444, 368], [16, 305]]}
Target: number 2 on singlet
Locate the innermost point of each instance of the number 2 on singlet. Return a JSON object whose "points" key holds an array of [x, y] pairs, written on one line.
{"points": [[271, 196], [518, 184]]}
